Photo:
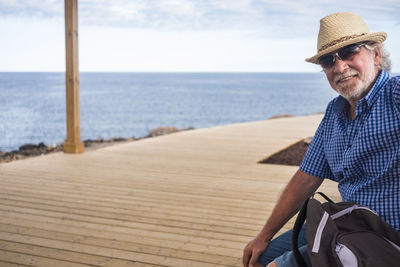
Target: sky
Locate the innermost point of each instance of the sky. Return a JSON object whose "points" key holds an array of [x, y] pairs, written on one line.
{"points": [[181, 35]]}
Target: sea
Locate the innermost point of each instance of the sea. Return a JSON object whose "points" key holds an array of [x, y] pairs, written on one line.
{"points": [[32, 104]]}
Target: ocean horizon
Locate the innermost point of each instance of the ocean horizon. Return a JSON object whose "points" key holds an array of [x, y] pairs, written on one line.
{"points": [[130, 104]]}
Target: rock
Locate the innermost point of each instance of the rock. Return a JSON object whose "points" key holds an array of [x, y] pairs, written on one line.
{"points": [[42, 145], [27, 147], [50, 149], [280, 116], [116, 139], [162, 131], [90, 142], [28, 150]]}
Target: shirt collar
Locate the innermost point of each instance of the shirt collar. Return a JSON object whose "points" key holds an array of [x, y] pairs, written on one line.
{"points": [[341, 105], [381, 81]]}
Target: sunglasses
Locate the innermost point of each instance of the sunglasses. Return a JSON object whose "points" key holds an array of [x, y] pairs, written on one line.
{"points": [[345, 53]]}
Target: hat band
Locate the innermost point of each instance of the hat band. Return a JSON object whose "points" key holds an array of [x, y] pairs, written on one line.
{"points": [[343, 39]]}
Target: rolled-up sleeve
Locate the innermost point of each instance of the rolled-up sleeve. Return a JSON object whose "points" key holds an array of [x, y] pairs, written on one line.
{"points": [[315, 162]]}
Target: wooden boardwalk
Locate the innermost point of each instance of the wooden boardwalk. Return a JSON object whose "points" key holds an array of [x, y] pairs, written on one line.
{"points": [[194, 198]]}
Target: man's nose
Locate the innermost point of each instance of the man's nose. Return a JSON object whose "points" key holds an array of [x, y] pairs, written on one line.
{"points": [[340, 65]]}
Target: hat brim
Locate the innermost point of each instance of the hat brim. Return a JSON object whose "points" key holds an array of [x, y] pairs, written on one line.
{"points": [[377, 37]]}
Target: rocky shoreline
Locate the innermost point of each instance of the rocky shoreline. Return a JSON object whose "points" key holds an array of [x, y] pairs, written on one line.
{"points": [[33, 150]]}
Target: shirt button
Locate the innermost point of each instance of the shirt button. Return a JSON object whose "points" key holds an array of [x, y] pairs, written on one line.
{"points": [[349, 145], [346, 169]]}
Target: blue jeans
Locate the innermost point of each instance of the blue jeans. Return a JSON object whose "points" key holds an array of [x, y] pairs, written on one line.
{"points": [[280, 250]]}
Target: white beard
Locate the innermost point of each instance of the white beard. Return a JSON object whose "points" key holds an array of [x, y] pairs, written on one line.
{"points": [[355, 87]]}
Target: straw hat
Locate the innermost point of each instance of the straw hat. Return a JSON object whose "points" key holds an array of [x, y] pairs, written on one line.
{"points": [[342, 29]]}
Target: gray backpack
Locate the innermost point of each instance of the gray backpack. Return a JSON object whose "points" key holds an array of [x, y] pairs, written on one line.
{"points": [[345, 234]]}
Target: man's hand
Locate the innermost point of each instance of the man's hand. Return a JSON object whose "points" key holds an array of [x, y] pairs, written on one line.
{"points": [[253, 250], [300, 187]]}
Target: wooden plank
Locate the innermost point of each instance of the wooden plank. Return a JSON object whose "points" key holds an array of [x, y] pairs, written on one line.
{"points": [[104, 252], [206, 203], [188, 211], [73, 143], [32, 260], [201, 256], [128, 225], [67, 256], [132, 232], [10, 264], [136, 243], [168, 198], [227, 231], [134, 210]]}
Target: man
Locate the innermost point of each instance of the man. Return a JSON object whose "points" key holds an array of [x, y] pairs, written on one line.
{"points": [[357, 143]]}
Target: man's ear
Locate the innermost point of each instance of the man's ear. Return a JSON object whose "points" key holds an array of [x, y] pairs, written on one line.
{"points": [[378, 56]]}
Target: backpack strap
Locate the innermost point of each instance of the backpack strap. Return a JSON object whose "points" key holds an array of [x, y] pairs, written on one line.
{"points": [[295, 235], [324, 196], [301, 218]]}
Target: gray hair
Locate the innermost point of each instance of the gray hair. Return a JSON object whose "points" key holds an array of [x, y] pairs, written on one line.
{"points": [[386, 63]]}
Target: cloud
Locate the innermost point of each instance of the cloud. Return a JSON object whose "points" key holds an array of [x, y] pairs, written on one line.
{"points": [[275, 17], [31, 8]]}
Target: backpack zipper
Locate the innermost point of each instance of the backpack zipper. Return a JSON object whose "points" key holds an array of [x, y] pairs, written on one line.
{"points": [[318, 234], [350, 210], [324, 219]]}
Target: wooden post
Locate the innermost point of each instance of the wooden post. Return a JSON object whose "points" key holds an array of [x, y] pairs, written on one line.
{"points": [[73, 143]]}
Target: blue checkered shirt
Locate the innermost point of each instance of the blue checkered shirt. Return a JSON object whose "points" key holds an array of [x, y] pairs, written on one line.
{"points": [[362, 155]]}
